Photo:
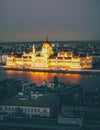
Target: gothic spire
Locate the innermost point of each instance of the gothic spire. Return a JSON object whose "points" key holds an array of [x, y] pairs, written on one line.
{"points": [[46, 38], [33, 48]]}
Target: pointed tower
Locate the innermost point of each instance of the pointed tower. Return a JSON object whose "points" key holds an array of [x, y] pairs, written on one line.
{"points": [[33, 48], [33, 52], [33, 55]]}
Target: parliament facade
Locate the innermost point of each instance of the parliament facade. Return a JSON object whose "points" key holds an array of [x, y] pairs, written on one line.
{"points": [[46, 59]]}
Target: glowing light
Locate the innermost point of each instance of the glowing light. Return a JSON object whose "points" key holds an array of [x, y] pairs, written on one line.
{"points": [[63, 61]]}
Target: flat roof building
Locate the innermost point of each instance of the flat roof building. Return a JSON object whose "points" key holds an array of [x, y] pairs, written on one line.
{"points": [[43, 106]]}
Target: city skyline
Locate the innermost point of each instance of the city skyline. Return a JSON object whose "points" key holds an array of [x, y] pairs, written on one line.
{"points": [[60, 19]]}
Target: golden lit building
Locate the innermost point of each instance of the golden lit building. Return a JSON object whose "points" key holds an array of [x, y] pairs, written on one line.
{"points": [[47, 59]]}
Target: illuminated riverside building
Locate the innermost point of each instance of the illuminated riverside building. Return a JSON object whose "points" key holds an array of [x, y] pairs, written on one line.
{"points": [[46, 59]]}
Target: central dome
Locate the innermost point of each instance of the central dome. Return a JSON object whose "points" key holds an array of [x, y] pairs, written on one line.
{"points": [[47, 44], [46, 49]]}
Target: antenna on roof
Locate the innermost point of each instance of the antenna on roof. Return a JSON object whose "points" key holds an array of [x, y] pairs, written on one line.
{"points": [[46, 38]]}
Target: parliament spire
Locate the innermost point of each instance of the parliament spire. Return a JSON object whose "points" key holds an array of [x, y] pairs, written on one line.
{"points": [[46, 38]]}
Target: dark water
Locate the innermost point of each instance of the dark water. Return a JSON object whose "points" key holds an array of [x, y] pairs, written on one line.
{"points": [[88, 82]]}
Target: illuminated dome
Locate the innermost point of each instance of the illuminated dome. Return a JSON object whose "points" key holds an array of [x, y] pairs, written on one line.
{"points": [[46, 49], [46, 44]]}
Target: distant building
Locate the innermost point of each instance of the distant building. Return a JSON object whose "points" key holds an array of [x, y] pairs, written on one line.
{"points": [[96, 61], [47, 59], [3, 59]]}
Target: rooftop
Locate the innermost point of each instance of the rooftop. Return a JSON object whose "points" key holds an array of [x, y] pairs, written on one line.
{"points": [[43, 101]]}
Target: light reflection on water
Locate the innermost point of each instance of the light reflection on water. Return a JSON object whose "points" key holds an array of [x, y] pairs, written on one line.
{"points": [[88, 82], [38, 77]]}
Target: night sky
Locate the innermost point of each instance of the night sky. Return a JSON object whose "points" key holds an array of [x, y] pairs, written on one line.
{"points": [[28, 20]]}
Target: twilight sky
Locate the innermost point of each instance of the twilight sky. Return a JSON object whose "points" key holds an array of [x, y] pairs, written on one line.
{"points": [[28, 20]]}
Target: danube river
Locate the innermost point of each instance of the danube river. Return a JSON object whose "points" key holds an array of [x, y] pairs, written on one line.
{"points": [[90, 82]]}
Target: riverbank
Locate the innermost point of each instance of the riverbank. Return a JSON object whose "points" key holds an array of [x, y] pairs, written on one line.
{"points": [[72, 71]]}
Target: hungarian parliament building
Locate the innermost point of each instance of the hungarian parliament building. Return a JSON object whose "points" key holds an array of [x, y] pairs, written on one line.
{"points": [[46, 59]]}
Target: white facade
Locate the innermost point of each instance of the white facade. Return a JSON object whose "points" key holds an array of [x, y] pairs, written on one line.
{"points": [[25, 110]]}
